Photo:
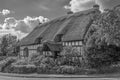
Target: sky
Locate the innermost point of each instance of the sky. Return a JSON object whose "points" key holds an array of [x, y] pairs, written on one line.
{"points": [[20, 17]]}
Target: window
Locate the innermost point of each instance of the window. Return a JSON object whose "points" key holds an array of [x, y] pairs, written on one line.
{"points": [[26, 52], [58, 38], [38, 40], [39, 50], [21, 53], [69, 43], [77, 43], [72, 43], [80, 42], [63, 44]]}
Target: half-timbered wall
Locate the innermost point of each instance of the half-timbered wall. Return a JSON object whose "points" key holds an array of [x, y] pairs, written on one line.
{"points": [[32, 49], [72, 43], [75, 44]]}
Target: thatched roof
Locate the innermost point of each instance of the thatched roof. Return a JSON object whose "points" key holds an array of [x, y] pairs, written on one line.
{"points": [[52, 46], [71, 26]]}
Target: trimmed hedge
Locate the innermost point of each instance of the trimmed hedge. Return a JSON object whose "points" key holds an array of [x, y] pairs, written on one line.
{"points": [[21, 69]]}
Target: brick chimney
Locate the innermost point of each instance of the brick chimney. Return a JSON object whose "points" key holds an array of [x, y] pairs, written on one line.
{"points": [[69, 12], [96, 6]]}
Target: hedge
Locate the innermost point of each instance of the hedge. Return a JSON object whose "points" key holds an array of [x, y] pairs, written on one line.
{"points": [[21, 69]]}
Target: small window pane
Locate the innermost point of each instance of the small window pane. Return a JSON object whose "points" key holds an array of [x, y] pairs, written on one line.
{"points": [[77, 43], [66, 43], [80, 42], [73, 43], [63, 43], [69, 43]]}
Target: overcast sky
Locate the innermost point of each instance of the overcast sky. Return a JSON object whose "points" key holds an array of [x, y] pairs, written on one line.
{"points": [[19, 17]]}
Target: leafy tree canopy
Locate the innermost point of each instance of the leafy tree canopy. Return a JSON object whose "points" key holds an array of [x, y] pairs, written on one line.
{"points": [[8, 44], [103, 39]]}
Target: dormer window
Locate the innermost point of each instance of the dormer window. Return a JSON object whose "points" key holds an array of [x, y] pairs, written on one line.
{"points": [[58, 38], [38, 40]]}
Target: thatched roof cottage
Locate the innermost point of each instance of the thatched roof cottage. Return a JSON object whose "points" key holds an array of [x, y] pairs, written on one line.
{"points": [[52, 36]]}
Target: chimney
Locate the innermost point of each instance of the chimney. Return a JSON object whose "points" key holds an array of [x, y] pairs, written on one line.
{"points": [[96, 6], [69, 12]]}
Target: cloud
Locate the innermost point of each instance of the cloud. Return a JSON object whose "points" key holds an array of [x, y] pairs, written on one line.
{"points": [[9, 23], [80, 5], [5, 12], [105, 4], [29, 23], [21, 28], [19, 34]]}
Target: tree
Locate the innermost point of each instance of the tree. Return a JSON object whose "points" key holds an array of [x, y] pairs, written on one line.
{"points": [[8, 44], [103, 39]]}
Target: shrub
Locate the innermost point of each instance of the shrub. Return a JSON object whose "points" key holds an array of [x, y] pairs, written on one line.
{"points": [[21, 69], [70, 56], [114, 68], [20, 62], [5, 63], [36, 60], [44, 60], [67, 70], [49, 61], [34, 57], [98, 57], [2, 58], [43, 68]]}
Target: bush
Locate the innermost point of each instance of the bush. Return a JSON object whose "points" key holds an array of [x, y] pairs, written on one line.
{"points": [[70, 56], [21, 69], [49, 61], [46, 65], [43, 68], [114, 68], [36, 60], [5, 63], [20, 62], [67, 70], [44, 60], [2, 58], [102, 56]]}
